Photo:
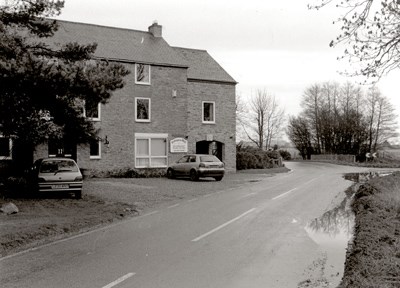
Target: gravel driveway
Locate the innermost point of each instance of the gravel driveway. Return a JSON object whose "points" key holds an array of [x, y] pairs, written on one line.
{"points": [[105, 200], [147, 193]]}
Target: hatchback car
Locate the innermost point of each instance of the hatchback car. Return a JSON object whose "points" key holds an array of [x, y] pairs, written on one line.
{"points": [[197, 165], [57, 175]]}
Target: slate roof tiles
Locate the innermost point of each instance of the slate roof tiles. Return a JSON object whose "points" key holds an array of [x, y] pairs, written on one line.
{"points": [[135, 46]]}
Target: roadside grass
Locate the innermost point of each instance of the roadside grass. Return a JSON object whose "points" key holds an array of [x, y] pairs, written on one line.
{"points": [[373, 259]]}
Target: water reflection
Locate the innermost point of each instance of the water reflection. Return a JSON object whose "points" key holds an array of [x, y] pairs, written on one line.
{"points": [[334, 227], [364, 177]]}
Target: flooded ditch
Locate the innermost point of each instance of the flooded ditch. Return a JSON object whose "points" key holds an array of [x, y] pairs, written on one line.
{"points": [[333, 232]]}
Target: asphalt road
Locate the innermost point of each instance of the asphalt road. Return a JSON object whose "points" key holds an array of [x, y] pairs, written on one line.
{"points": [[251, 236]]}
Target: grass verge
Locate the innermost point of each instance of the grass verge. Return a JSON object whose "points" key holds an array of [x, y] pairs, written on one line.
{"points": [[373, 259]]}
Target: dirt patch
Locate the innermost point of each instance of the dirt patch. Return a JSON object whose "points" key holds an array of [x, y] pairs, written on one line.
{"points": [[316, 274]]}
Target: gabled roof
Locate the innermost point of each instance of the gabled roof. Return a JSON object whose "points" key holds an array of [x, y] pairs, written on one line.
{"points": [[120, 44], [135, 46], [203, 67]]}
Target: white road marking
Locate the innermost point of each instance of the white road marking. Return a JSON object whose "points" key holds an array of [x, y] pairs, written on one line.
{"points": [[223, 225], [308, 182], [119, 280], [248, 195], [172, 206], [207, 195], [191, 200], [148, 214], [283, 194]]}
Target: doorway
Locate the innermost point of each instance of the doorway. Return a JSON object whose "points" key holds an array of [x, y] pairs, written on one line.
{"points": [[210, 147]]}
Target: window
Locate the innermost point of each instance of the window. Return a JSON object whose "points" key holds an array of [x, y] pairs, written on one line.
{"points": [[5, 148], [92, 111], [142, 74], [151, 150], [184, 159], [95, 149], [208, 112], [142, 109]]}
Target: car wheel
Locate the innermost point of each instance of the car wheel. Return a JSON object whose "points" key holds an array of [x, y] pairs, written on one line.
{"points": [[78, 194], [219, 178], [193, 175], [170, 174]]}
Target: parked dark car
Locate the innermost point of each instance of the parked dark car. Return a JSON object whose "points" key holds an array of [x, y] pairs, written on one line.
{"points": [[57, 175], [196, 166]]}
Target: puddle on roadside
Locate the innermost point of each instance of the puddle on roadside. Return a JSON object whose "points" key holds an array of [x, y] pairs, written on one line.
{"points": [[365, 176], [334, 229], [254, 180]]}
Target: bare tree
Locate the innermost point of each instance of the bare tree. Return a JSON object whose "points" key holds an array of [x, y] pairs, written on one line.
{"points": [[312, 103], [370, 30], [299, 133], [380, 119], [275, 119], [240, 108], [342, 119], [264, 120]]}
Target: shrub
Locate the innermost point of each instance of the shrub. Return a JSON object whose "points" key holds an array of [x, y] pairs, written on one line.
{"points": [[13, 186], [130, 173], [273, 154], [245, 160], [285, 155], [252, 158]]}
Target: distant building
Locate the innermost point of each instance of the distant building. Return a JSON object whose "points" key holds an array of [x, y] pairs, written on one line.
{"points": [[175, 101]]}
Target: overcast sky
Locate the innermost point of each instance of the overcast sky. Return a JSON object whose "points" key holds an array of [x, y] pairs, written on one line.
{"points": [[277, 45]]}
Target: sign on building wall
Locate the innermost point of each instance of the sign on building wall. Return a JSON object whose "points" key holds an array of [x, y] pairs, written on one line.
{"points": [[179, 145]]}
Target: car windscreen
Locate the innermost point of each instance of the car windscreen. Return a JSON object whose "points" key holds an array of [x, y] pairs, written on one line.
{"points": [[209, 158], [53, 166]]}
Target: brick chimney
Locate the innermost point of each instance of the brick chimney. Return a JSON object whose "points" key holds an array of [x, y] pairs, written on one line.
{"points": [[155, 29]]}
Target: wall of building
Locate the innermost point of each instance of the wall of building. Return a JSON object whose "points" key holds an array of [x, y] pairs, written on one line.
{"points": [[178, 115], [224, 129], [168, 115]]}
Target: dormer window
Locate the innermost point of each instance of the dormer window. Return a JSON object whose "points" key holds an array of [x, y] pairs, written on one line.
{"points": [[142, 74]]}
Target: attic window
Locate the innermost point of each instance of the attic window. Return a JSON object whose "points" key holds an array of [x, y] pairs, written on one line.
{"points": [[142, 74]]}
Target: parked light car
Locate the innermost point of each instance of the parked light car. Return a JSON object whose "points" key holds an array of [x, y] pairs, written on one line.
{"points": [[56, 175], [197, 165]]}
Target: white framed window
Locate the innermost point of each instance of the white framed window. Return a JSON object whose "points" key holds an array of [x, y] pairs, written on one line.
{"points": [[95, 149], [93, 113], [151, 150], [208, 112], [5, 148], [142, 109], [142, 74]]}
